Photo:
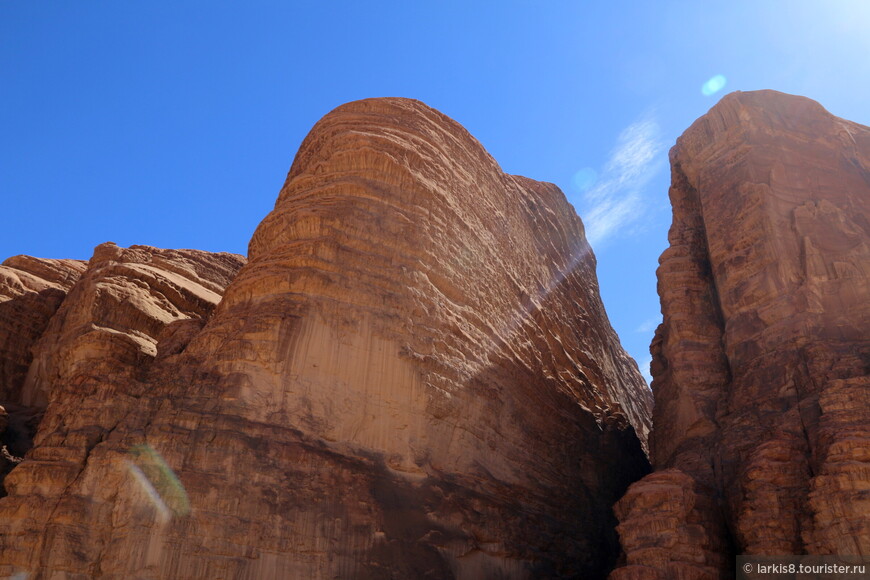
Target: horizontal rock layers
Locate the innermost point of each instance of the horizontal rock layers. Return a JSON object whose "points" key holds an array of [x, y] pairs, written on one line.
{"points": [[412, 377], [761, 442], [104, 327], [31, 290]]}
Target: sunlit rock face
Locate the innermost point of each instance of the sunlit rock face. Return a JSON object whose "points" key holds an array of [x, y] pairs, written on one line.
{"points": [[761, 442], [412, 377], [92, 377], [31, 290]]}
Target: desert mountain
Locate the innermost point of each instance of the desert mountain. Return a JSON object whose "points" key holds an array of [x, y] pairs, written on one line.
{"points": [[761, 368], [412, 376]]}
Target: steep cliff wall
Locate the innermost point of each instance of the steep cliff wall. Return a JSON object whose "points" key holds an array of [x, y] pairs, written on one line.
{"points": [[31, 290], [88, 374], [761, 367], [412, 377]]}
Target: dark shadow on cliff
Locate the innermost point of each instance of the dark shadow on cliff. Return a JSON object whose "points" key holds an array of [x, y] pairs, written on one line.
{"points": [[26, 318]]}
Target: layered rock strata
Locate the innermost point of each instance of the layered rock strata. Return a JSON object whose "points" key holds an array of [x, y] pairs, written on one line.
{"points": [[31, 290], [761, 367], [90, 369], [412, 377]]}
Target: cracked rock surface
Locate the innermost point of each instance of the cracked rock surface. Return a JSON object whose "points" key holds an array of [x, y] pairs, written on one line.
{"points": [[761, 366], [412, 376]]}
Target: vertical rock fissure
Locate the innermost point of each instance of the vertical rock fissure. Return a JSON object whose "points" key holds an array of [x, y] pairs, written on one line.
{"points": [[787, 262]]}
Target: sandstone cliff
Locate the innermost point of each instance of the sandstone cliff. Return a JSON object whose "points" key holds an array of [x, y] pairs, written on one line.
{"points": [[412, 377], [31, 291], [84, 351], [761, 367]]}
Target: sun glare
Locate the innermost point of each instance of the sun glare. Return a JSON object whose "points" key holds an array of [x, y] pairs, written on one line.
{"points": [[714, 85], [158, 481]]}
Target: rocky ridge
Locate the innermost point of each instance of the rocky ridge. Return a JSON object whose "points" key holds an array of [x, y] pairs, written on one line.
{"points": [[761, 367], [31, 290], [412, 376], [89, 372]]}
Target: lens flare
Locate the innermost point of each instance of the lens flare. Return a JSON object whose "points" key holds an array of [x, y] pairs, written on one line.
{"points": [[714, 85], [526, 309], [584, 179], [158, 481]]}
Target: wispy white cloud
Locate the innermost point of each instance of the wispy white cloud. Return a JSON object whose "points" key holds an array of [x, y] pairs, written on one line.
{"points": [[643, 365], [616, 200], [648, 325]]}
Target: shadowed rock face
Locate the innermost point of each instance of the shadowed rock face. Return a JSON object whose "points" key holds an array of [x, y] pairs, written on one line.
{"points": [[93, 352], [412, 377], [31, 290], [761, 365]]}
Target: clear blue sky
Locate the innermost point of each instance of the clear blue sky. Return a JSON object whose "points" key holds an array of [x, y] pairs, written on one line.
{"points": [[174, 123]]}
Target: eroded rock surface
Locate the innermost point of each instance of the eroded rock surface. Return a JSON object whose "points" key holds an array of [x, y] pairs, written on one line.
{"points": [[89, 370], [31, 290], [412, 377], [762, 407]]}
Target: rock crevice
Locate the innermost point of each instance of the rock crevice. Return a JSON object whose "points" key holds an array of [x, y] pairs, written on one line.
{"points": [[760, 366]]}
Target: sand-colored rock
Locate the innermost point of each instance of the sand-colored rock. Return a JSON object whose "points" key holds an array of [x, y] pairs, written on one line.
{"points": [[31, 290], [761, 365], [89, 370], [412, 377], [113, 319]]}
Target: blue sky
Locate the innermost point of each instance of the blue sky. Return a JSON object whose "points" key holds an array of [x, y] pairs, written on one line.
{"points": [[174, 123]]}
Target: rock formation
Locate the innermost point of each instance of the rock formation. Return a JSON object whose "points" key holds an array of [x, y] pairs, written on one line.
{"points": [[31, 290], [92, 351], [412, 377], [761, 367]]}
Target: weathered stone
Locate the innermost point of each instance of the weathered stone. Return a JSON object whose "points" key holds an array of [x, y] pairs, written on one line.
{"points": [[412, 377], [761, 364], [31, 290], [88, 372]]}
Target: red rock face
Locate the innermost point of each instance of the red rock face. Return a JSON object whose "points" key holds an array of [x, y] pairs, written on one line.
{"points": [[31, 290], [412, 377], [761, 365], [89, 372]]}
